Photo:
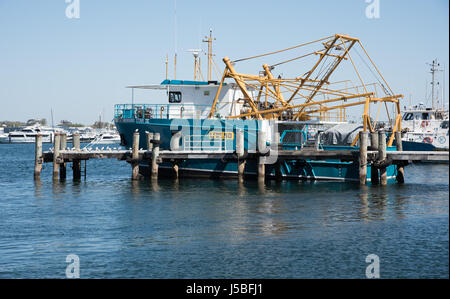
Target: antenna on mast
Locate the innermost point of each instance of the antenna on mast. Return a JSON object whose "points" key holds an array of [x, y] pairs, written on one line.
{"points": [[443, 88], [196, 53], [210, 54], [433, 70], [167, 66]]}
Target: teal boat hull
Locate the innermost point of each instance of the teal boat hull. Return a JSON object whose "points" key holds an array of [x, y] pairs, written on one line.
{"points": [[328, 170]]}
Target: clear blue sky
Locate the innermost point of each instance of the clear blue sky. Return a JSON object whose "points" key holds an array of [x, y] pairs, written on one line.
{"points": [[80, 67]]}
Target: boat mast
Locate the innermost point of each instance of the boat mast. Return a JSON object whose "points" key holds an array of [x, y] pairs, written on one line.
{"points": [[196, 53], [433, 70], [53, 125], [167, 66], [176, 42], [210, 54]]}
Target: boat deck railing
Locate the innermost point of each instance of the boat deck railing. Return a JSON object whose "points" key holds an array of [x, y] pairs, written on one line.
{"points": [[200, 142], [145, 112]]}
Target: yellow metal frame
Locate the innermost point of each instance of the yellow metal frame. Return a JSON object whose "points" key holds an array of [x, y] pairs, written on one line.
{"points": [[307, 88]]}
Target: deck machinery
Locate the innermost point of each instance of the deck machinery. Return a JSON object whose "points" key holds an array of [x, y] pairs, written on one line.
{"points": [[313, 94]]}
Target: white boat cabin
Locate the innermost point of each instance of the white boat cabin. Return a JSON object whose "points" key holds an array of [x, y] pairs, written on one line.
{"points": [[419, 118], [192, 99], [426, 125]]}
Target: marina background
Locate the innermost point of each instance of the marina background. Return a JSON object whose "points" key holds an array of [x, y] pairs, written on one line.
{"points": [[218, 228]]}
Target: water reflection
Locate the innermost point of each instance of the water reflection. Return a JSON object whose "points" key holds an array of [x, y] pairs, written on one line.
{"points": [[190, 228], [261, 186], [399, 205], [379, 203], [155, 185], [58, 189], [364, 196], [176, 184], [241, 189], [373, 202], [135, 188], [38, 188], [77, 187]]}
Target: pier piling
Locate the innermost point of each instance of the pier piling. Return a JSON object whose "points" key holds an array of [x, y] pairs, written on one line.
{"points": [[374, 175], [400, 169], [155, 155], [363, 136], [175, 170], [76, 163], [374, 141], [175, 141], [149, 141], [382, 157], [241, 169], [135, 157], [262, 142], [240, 154], [38, 157], [56, 147], [263, 149], [261, 169], [62, 165], [240, 149], [149, 149]]}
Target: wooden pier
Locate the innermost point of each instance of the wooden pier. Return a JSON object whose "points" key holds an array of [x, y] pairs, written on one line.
{"points": [[375, 155]]}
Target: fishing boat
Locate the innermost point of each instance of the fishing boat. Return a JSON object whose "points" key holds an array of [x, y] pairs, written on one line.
{"points": [[290, 112], [426, 128]]}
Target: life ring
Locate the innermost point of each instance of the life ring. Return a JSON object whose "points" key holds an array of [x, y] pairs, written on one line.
{"points": [[428, 140], [442, 139], [425, 123]]}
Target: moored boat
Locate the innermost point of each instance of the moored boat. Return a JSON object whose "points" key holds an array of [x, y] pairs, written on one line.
{"points": [[28, 135], [209, 115], [426, 128]]}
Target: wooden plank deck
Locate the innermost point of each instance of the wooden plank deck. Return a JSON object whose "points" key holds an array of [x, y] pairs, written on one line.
{"points": [[392, 156]]}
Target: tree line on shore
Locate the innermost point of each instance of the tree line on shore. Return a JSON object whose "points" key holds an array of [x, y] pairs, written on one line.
{"points": [[43, 122]]}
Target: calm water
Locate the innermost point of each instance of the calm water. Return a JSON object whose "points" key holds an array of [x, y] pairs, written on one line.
{"points": [[217, 229]]}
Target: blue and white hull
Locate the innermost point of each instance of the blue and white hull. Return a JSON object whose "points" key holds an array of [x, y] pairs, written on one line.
{"points": [[330, 170]]}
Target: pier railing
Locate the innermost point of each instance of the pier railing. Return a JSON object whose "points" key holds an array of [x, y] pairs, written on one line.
{"points": [[144, 112], [203, 142]]}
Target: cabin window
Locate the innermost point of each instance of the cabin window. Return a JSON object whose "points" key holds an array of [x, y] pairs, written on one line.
{"points": [[444, 124], [206, 93], [408, 116], [425, 116], [174, 97]]}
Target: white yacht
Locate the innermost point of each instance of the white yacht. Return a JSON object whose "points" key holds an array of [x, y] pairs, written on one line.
{"points": [[107, 137], [4, 137], [28, 134], [87, 134]]}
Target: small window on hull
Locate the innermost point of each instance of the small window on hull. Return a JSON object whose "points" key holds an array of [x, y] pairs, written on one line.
{"points": [[174, 97]]}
